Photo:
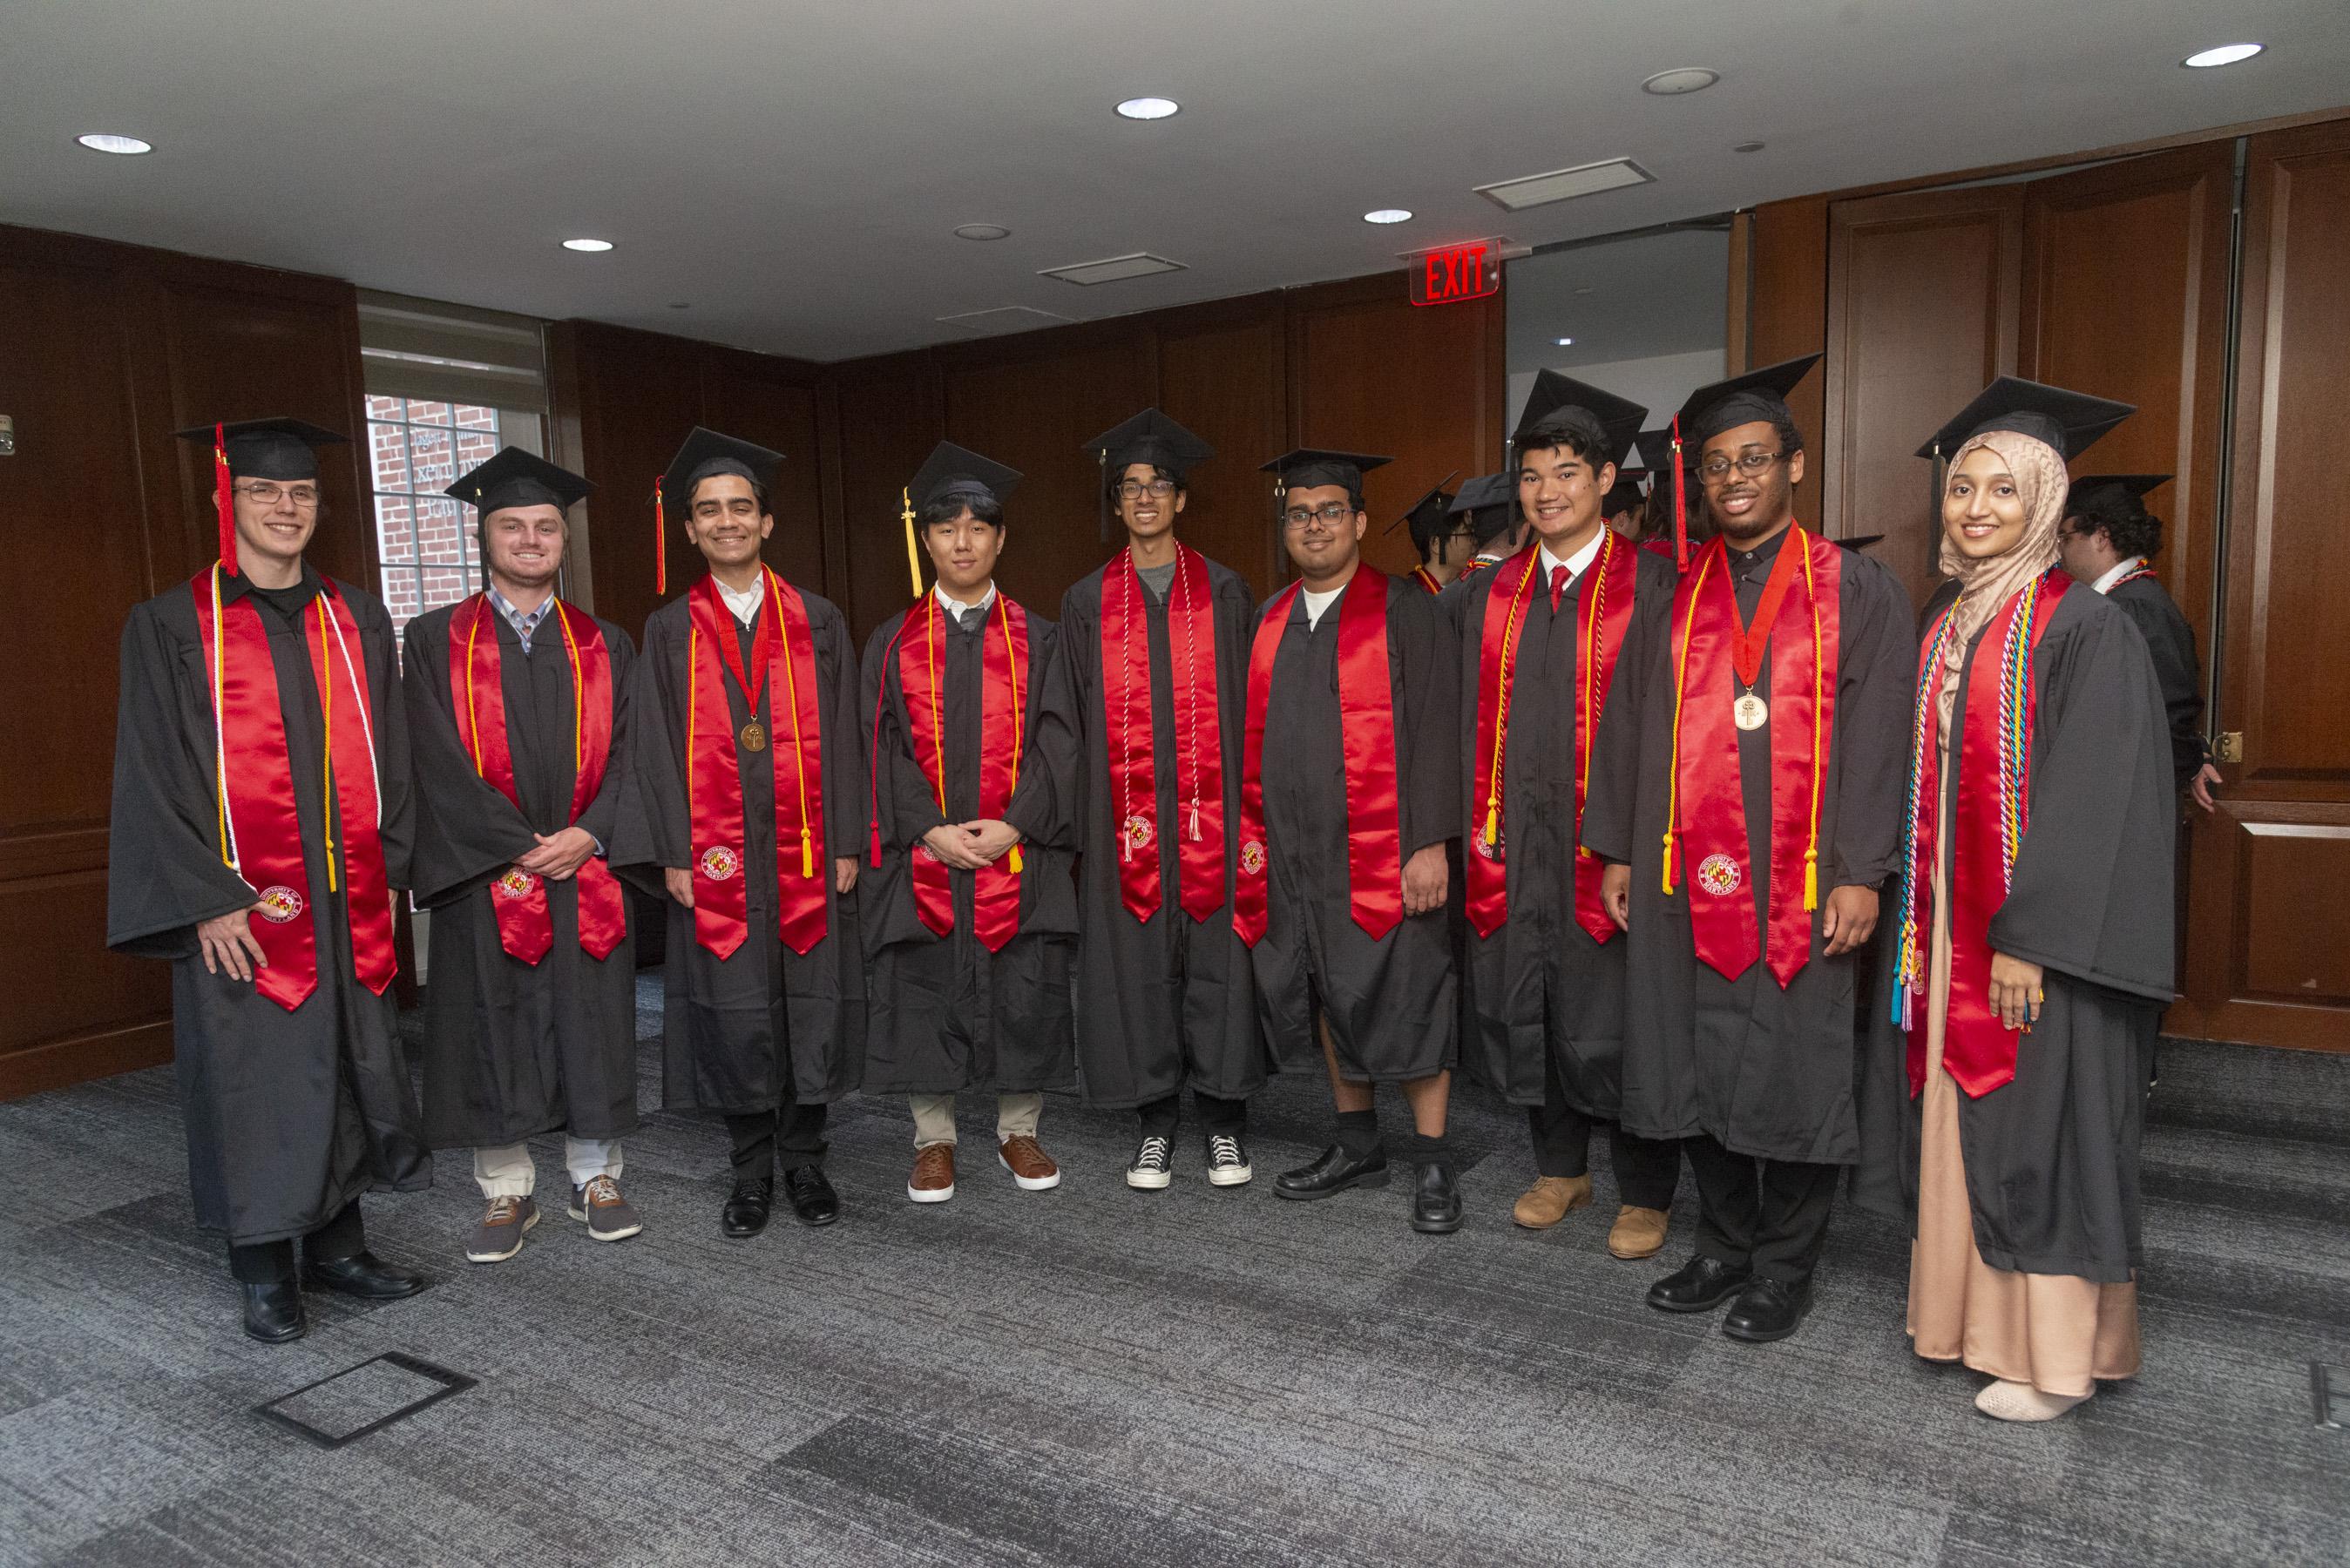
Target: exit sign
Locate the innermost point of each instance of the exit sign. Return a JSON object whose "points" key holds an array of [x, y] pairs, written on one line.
{"points": [[1456, 273]]}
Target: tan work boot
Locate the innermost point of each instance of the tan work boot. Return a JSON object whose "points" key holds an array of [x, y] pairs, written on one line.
{"points": [[1638, 1232], [1550, 1199]]}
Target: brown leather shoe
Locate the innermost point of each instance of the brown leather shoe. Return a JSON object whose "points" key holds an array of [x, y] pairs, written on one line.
{"points": [[1030, 1166], [1550, 1199], [1638, 1232], [933, 1178]]}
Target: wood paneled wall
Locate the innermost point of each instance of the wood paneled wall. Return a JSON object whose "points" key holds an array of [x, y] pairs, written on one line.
{"points": [[105, 351]]}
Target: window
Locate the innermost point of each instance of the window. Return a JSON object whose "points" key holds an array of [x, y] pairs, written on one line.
{"points": [[425, 540]]}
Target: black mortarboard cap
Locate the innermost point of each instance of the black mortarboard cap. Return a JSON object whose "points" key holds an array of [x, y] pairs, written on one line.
{"points": [[1655, 450], [1426, 516], [1622, 497], [2137, 486], [1742, 399], [1489, 500], [1148, 437], [952, 470], [1310, 466], [2067, 420], [276, 449], [519, 478], [1860, 541], [705, 453], [1559, 402]]}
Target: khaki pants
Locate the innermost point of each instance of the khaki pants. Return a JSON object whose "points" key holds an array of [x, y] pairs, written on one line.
{"points": [[508, 1172], [1016, 1116]]}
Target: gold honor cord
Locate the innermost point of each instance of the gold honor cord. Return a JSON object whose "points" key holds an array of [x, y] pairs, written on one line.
{"points": [[913, 555], [1003, 620]]}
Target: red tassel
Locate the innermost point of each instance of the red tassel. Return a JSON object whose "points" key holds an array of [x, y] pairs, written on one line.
{"points": [[224, 500], [661, 546], [1680, 505]]}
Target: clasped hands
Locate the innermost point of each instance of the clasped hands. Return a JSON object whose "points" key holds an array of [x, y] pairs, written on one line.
{"points": [[967, 845]]}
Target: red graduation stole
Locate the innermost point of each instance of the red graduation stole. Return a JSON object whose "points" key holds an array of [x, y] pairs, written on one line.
{"points": [[1003, 665], [1422, 575], [783, 660], [477, 688], [1133, 743], [1706, 821], [252, 782], [1367, 723], [1988, 822], [1602, 614]]}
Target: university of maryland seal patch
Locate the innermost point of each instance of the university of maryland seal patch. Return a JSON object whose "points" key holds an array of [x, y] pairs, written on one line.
{"points": [[516, 883], [1252, 857], [1719, 875], [718, 863], [1137, 831], [280, 903]]}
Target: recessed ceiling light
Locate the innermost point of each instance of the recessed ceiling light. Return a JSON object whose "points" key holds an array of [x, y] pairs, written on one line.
{"points": [[2225, 55], [1388, 216], [1564, 184], [982, 232], [1682, 79], [1149, 108], [98, 141], [1748, 147], [586, 245], [1566, 342]]}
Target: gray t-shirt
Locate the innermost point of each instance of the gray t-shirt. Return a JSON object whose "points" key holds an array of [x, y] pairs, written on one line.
{"points": [[1158, 579]]}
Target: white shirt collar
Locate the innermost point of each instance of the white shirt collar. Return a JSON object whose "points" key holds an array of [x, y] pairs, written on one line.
{"points": [[2116, 572], [1576, 563], [955, 607], [1316, 603], [743, 602]]}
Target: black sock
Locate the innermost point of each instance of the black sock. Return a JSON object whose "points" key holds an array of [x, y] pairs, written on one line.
{"points": [[1421, 1149], [1359, 1132]]}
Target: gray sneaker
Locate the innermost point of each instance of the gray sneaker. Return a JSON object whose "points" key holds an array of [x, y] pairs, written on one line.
{"points": [[499, 1235], [609, 1218]]}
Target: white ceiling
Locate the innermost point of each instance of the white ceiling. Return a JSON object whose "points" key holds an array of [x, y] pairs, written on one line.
{"points": [[791, 171]]}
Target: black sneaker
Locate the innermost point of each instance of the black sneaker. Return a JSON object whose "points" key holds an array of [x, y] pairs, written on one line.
{"points": [[1228, 1161], [1154, 1165]]}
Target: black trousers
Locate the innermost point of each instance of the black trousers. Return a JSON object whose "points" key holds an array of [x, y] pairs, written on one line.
{"points": [[796, 1129], [272, 1262], [1647, 1170], [1770, 1215], [1161, 1117]]}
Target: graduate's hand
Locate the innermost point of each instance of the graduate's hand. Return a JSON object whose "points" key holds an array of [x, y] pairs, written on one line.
{"points": [[560, 855], [2015, 992], [951, 842], [1851, 917], [2200, 787], [1423, 880], [990, 837], [680, 884], [844, 873], [228, 943], [1616, 894]]}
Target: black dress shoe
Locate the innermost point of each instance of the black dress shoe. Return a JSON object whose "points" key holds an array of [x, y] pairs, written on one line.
{"points": [[745, 1213], [1701, 1284], [1767, 1310], [1334, 1172], [273, 1313], [812, 1197], [364, 1275], [1436, 1207]]}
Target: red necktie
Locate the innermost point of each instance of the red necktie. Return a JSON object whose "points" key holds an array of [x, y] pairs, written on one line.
{"points": [[1557, 586]]}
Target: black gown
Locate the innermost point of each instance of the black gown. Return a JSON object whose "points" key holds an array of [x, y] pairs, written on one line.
{"points": [[767, 1026], [1393, 1002], [1763, 1072], [2052, 1157], [1543, 990], [947, 1014], [2171, 641], [510, 1048], [1168, 1000], [290, 1116]]}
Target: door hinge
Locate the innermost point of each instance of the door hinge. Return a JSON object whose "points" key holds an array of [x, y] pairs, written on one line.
{"points": [[2228, 746]]}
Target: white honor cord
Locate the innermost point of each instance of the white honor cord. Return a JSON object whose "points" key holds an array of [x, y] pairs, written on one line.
{"points": [[366, 730]]}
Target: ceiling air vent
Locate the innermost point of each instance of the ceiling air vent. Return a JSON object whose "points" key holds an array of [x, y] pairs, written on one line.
{"points": [[1111, 269], [1003, 319], [1564, 184]]}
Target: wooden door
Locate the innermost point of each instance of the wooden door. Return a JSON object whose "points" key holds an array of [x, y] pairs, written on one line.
{"points": [[2269, 955], [1923, 297]]}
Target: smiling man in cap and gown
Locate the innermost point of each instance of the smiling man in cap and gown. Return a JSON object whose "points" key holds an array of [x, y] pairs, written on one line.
{"points": [[261, 819]]}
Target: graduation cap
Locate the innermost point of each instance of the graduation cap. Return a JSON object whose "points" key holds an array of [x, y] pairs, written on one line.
{"points": [[1488, 500], [1655, 451], [1859, 541], [951, 472], [1148, 437], [1624, 495], [704, 455], [517, 478], [1309, 467], [2136, 486], [1427, 514], [1558, 404], [1739, 399], [2067, 420], [276, 449]]}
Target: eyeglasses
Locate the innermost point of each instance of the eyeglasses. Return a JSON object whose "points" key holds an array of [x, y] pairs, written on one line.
{"points": [[1136, 489], [264, 493], [1333, 513], [1752, 464]]}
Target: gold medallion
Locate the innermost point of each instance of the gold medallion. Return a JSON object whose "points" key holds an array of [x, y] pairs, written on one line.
{"points": [[1750, 711], [754, 736]]}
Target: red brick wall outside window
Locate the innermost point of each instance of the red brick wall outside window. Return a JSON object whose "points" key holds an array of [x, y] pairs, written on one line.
{"points": [[424, 540]]}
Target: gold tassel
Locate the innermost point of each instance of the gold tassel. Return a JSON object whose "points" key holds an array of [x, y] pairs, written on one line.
{"points": [[1811, 880], [914, 554], [1015, 860], [1668, 864], [1493, 821], [807, 853]]}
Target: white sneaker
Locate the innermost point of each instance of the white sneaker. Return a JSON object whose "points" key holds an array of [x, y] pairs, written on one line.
{"points": [[1228, 1162], [1154, 1166]]}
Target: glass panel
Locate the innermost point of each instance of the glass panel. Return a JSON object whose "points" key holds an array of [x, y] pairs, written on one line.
{"points": [[400, 596], [434, 458], [444, 585], [384, 408], [438, 540], [387, 449], [395, 535], [424, 413]]}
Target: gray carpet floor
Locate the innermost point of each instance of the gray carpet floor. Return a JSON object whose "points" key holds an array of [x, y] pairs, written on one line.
{"points": [[1092, 1375]]}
